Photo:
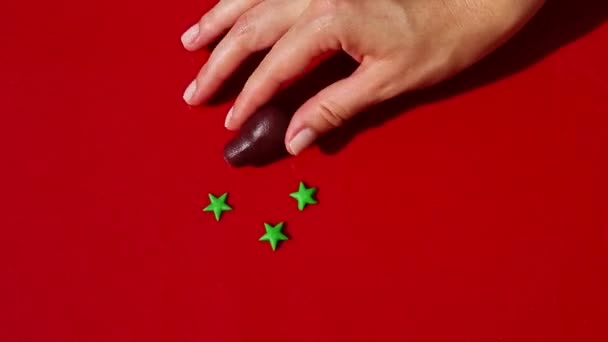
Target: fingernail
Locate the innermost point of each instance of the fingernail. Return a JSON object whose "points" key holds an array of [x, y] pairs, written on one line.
{"points": [[228, 117], [301, 141], [189, 93], [190, 35]]}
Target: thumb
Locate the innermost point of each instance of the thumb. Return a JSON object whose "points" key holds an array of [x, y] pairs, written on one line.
{"points": [[335, 104]]}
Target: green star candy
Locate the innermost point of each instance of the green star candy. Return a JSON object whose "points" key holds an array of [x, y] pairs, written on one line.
{"points": [[218, 205], [304, 196], [274, 235]]}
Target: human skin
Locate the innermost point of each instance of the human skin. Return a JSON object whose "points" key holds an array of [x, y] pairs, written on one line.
{"points": [[400, 45]]}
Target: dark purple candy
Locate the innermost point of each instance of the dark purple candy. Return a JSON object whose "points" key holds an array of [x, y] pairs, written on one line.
{"points": [[260, 140]]}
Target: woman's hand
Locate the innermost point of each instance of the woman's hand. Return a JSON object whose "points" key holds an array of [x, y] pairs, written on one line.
{"points": [[400, 44]]}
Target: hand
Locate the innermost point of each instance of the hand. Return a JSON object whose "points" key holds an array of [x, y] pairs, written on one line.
{"points": [[401, 45]]}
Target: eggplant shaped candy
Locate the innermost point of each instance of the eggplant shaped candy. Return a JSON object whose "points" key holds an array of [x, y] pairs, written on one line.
{"points": [[260, 140]]}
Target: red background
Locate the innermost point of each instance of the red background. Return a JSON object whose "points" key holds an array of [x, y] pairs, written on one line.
{"points": [[474, 211]]}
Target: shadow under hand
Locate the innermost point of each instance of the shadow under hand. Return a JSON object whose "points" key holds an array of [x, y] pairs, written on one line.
{"points": [[557, 24]]}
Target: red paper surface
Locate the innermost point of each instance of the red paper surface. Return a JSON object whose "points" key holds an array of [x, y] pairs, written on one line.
{"points": [[476, 211]]}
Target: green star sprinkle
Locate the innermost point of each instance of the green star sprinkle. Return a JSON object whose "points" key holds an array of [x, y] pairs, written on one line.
{"points": [[274, 235], [218, 205], [304, 196]]}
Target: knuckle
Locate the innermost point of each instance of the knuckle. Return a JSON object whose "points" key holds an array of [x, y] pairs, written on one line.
{"points": [[329, 15], [211, 18], [329, 5], [244, 26], [243, 33], [210, 22], [207, 23], [332, 113], [329, 8]]}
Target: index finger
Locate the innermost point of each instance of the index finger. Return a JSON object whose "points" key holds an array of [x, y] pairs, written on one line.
{"points": [[289, 57]]}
